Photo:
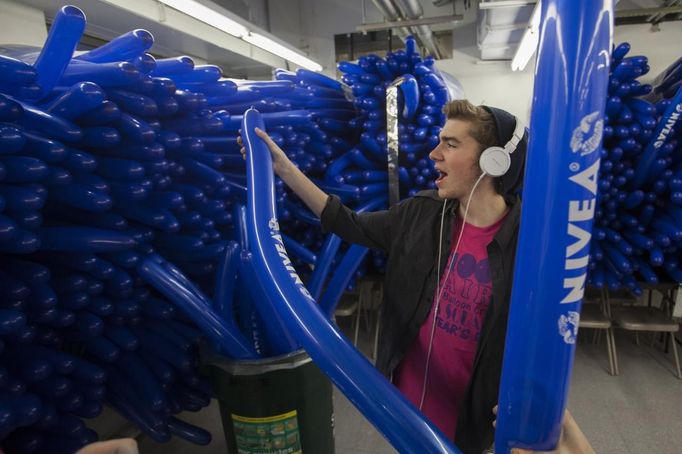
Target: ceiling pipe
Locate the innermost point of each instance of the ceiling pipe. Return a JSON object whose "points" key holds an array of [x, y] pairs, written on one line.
{"points": [[412, 9], [391, 13]]}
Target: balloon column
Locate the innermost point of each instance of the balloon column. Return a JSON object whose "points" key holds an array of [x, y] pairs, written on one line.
{"points": [[638, 219], [567, 119]]}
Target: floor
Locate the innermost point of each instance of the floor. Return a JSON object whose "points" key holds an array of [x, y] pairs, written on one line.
{"points": [[639, 411]]}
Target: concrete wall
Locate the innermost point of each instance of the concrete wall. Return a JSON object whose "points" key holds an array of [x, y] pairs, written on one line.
{"points": [[20, 24]]}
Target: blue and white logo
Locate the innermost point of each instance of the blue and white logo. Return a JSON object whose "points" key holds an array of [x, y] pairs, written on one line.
{"points": [[586, 138], [568, 326]]}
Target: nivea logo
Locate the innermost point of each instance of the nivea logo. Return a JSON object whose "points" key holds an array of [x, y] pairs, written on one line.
{"points": [[580, 215], [586, 138], [286, 261], [568, 326], [667, 128]]}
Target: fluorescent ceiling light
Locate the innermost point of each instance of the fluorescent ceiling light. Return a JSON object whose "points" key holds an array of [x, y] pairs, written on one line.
{"points": [[529, 42], [208, 16], [275, 48]]}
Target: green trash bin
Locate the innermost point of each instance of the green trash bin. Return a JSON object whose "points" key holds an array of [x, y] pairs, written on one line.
{"points": [[280, 405]]}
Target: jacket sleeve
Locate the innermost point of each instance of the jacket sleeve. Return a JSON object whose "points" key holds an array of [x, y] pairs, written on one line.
{"points": [[366, 229]]}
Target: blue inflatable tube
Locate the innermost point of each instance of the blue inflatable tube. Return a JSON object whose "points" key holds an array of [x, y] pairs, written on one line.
{"points": [[83, 239], [169, 281], [106, 113], [276, 339], [65, 33], [384, 406], [323, 264], [341, 278], [134, 103], [102, 74], [538, 361], [166, 67], [13, 71], [12, 139], [49, 125], [145, 62], [200, 74], [223, 301], [665, 125], [318, 79], [298, 250], [77, 100], [188, 431], [10, 110], [123, 47]]}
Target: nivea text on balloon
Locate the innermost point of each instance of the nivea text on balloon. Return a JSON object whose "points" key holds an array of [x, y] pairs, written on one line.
{"points": [[578, 251]]}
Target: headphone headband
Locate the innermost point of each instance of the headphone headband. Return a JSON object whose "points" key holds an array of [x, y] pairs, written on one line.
{"points": [[516, 137]]}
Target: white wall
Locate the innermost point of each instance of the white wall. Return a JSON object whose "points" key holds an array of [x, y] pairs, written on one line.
{"points": [[497, 85], [311, 25], [661, 47], [20, 24]]}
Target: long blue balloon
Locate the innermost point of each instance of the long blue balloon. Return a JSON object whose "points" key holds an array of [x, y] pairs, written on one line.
{"points": [[342, 276], [65, 33], [380, 401], [124, 47], [567, 124], [169, 281], [666, 124]]}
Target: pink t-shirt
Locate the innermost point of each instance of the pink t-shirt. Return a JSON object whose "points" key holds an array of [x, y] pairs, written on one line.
{"points": [[464, 300]]}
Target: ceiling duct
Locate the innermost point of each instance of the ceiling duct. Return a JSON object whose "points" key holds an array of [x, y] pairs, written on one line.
{"points": [[500, 27], [412, 9], [406, 10], [391, 14]]}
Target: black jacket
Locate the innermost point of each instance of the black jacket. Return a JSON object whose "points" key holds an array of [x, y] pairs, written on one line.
{"points": [[408, 232]]}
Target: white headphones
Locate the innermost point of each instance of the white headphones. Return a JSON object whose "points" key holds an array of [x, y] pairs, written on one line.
{"points": [[495, 161]]}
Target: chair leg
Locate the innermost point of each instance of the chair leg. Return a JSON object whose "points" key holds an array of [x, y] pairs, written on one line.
{"points": [[610, 352], [677, 358], [376, 340], [636, 338], [613, 349], [357, 324]]}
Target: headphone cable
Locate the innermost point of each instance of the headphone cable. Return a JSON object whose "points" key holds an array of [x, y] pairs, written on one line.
{"points": [[439, 290]]}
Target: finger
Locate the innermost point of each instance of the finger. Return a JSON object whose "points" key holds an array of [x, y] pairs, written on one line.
{"points": [[495, 410], [118, 446], [264, 135], [243, 152], [239, 140]]}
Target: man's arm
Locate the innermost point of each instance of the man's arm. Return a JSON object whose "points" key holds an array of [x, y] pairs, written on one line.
{"points": [[367, 229], [314, 197]]}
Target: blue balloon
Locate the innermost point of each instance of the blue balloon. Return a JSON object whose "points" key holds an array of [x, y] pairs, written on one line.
{"points": [[226, 278], [191, 301], [49, 125], [396, 418], [123, 47], [13, 71], [531, 400], [83, 239], [64, 35], [76, 101], [189, 432]]}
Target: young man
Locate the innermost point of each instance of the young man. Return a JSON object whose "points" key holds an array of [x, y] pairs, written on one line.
{"points": [[442, 348]]}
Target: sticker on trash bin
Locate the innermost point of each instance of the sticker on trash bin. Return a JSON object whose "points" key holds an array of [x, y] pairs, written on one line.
{"points": [[271, 435]]}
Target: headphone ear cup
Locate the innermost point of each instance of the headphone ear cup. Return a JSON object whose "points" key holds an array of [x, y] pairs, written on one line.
{"points": [[495, 161]]}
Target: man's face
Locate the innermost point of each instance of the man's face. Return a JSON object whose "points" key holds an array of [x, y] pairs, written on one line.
{"points": [[456, 160]]}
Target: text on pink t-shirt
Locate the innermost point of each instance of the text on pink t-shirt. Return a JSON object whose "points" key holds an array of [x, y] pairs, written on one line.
{"points": [[464, 299]]}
